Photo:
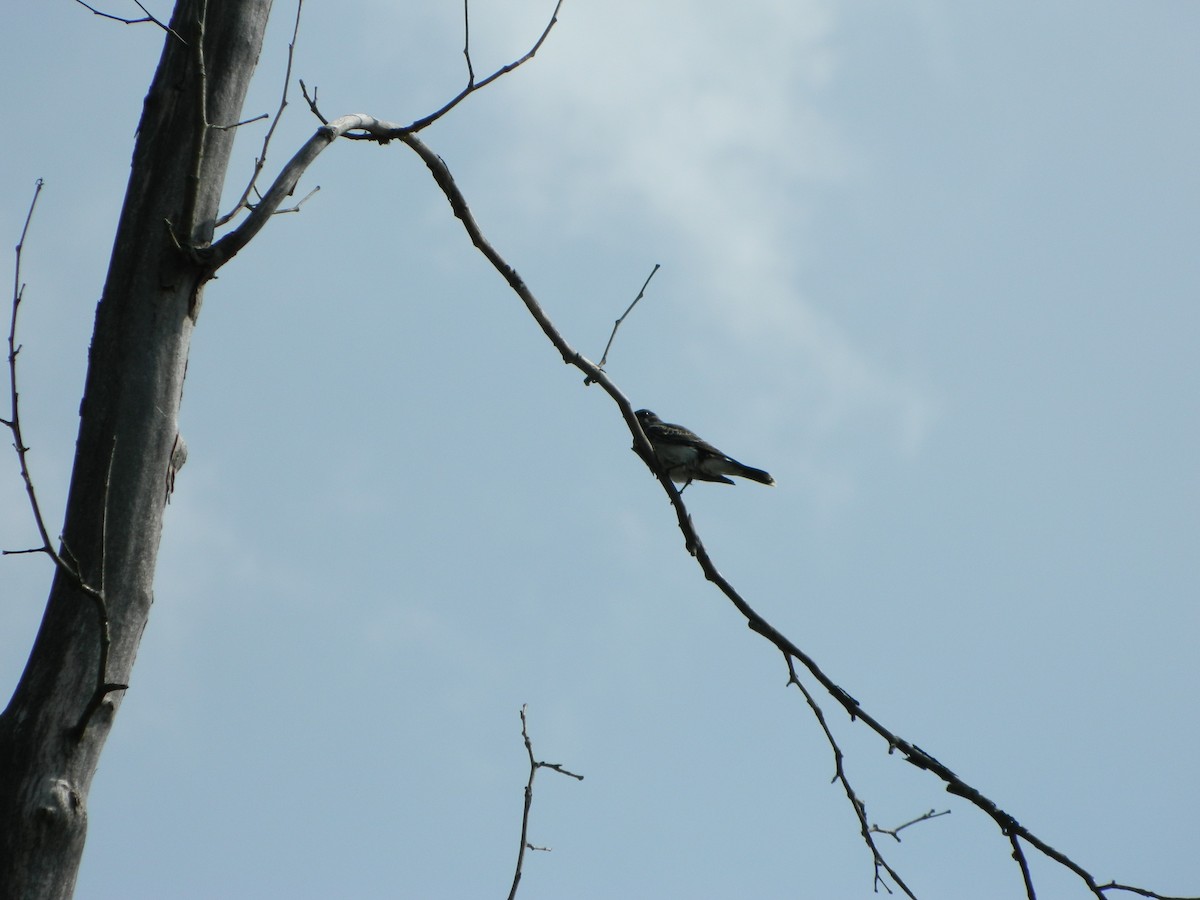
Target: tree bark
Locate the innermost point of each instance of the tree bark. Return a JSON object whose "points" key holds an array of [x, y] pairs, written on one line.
{"points": [[56, 723]]}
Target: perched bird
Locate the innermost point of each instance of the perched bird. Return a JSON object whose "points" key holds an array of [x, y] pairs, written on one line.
{"points": [[688, 458]]}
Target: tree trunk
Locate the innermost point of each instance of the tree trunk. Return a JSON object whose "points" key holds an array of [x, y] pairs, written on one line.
{"points": [[127, 430]]}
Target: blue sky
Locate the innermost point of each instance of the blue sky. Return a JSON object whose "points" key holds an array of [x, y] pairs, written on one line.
{"points": [[933, 265]]}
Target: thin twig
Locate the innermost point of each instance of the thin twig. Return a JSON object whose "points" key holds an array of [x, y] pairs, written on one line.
{"points": [[534, 765], [261, 160], [1141, 892], [65, 562], [467, 41], [617, 324], [295, 208], [895, 832], [1018, 855], [311, 100], [148, 17], [471, 87], [839, 775], [14, 420], [239, 123], [354, 127]]}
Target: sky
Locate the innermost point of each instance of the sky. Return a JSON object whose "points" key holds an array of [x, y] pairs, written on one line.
{"points": [[933, 265]]}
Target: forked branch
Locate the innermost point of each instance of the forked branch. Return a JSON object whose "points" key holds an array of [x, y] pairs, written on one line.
{"points": [[357, 126], [472, 85], [534, 765], [146, 17]]}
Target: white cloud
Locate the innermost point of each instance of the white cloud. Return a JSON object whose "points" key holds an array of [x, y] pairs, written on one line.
{"points": [[664, 113]]}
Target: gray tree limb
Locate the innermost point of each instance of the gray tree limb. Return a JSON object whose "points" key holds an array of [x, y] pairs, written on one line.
{"points": [[55, 726]]}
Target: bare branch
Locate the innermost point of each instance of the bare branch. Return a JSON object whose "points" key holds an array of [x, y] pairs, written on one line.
{"points": [[467, 41], [366, 127], [231, 244], [558, 767], [14, 420], [65, 561], [312, 101], [1141, 892], [299, 203], [240, 123], [913, 754], [534, 765], [839, 775], [261, 160], [148, 17], [473, 85], [895, 832], [1018, 854], [617, 324], [358, 126]]}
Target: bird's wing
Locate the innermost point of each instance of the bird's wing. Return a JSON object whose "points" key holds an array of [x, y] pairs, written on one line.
{"points": [[677, 434]]}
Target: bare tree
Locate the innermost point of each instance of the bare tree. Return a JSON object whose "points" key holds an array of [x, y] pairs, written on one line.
{"points": [[129, 448], [54, 729]]}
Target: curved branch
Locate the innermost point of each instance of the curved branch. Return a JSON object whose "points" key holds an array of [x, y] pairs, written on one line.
{"points": [[913, 754], [231, 244], [570, 356], [358, 126], [361, 126]]}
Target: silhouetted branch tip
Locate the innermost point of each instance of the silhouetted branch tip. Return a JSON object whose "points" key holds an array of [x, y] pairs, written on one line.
{"points": [[557, 767], [895, 832], [620, 319], [239, 124], [1141, 892], [147, 17], [472, 85], [693, 544], [261, 160], [311, 100], [467, 41]]}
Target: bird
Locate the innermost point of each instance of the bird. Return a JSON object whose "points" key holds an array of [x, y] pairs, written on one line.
{"points": [[687, 457]]}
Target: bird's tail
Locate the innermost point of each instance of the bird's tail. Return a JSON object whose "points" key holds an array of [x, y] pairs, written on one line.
{"points": [[754, 474]]}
